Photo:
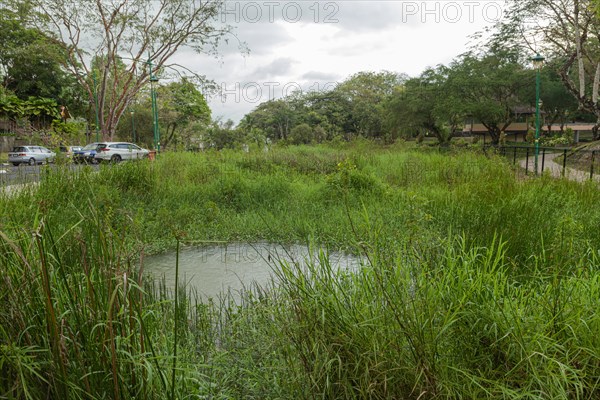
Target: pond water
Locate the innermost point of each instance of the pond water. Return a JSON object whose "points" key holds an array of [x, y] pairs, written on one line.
{"points": [[217, 269]]}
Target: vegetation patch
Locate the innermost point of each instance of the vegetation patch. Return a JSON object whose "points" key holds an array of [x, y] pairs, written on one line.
{"points": [[474, 284]]}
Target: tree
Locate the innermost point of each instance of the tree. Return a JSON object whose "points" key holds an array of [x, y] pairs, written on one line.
{"points": [[132, 41], [558, 104], [487, 88], [355, 107], [366, 93], [274, 117], [181, 106], [567, 32], [328, 112], [423, 105], [30, 60], [221, 135], [39, 112]]}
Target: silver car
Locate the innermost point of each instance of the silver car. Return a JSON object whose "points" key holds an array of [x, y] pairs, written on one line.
{"points": [[119, 151], [31, 155]]}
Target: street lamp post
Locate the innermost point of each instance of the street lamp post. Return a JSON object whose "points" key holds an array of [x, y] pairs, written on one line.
{"points": [[132, 112], [154, 79], [155, 114], [96, 107], [538, 61]]}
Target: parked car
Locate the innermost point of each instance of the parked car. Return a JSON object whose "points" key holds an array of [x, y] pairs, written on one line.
{"points": [[31, 155], [86, 154], [119, 151], [68, 151]]}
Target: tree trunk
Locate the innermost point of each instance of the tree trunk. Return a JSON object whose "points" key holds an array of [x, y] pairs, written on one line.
{"points": [[169, 136], [596, 128], [494, 132]]}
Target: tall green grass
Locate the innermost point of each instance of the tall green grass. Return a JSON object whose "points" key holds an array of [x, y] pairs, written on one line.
{"points": [[290, 194], [453, 324], [476, 283]]}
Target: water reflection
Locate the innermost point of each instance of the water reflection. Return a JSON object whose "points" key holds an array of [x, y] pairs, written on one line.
{"points": [[213, 270]]}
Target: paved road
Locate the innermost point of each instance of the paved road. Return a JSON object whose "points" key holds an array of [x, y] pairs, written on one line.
{"points": [[11, 175], [556, 170]]}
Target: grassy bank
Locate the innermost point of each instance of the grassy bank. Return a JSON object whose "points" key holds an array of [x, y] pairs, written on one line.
{"points": [[478, 284]]}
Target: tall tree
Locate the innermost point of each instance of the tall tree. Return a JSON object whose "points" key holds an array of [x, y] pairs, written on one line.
{"points": [[274, 117], [140, 35], [330, 111], [366, 93], [557, 104], [488, 89], [182, 105], [566, 32], [184, 114], [419, 105], [29, 59]]}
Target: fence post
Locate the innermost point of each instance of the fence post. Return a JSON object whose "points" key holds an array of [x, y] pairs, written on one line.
{"points": [[564, 170], [543, 158], [592, 166], [514, 155], [527, 161]]}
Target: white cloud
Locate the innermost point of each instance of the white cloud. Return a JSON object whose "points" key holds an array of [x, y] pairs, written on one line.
{"points": [[309, 44], [276, 68]]}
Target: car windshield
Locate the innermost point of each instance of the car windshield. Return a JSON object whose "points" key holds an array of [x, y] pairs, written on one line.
{"points": [[91, 146]]}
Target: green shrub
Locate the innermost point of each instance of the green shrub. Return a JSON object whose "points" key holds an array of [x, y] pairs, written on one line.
{"points": [[302, 134]]}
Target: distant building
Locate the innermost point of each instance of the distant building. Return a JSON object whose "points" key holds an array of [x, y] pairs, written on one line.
{"points": [[517, 131], [525, 121]]}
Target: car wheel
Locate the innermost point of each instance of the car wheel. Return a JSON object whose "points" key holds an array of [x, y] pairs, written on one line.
{"points": [[32, 161], [115, 158]]}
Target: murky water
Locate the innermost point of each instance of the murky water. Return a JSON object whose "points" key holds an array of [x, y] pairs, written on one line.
{"points": [[217, 269]]}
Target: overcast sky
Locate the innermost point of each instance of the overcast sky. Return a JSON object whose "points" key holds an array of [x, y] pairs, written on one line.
{"points": [[312, 44]]}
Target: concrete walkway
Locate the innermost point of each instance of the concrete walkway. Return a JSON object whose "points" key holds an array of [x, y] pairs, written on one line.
{"points": [[556, 170]]}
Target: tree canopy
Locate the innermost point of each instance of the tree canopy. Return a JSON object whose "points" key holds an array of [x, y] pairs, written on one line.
{"points": [[113, 48], [30, 60], [567, 34]]}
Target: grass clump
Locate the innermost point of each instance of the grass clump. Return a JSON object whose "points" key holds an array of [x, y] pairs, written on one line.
{"points": [[450, 325]]}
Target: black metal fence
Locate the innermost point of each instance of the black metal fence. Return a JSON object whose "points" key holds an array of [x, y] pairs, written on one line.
{"points": [[558, 161]]}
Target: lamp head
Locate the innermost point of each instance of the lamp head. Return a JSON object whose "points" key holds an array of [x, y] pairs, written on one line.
{"points": [[538, 61]]}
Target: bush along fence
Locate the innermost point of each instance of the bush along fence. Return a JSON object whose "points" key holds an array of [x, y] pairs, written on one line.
{"points": [[580, 164]]}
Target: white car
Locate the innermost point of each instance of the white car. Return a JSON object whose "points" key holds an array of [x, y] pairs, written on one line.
{"points": [[119, 151], [31, 155]]}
